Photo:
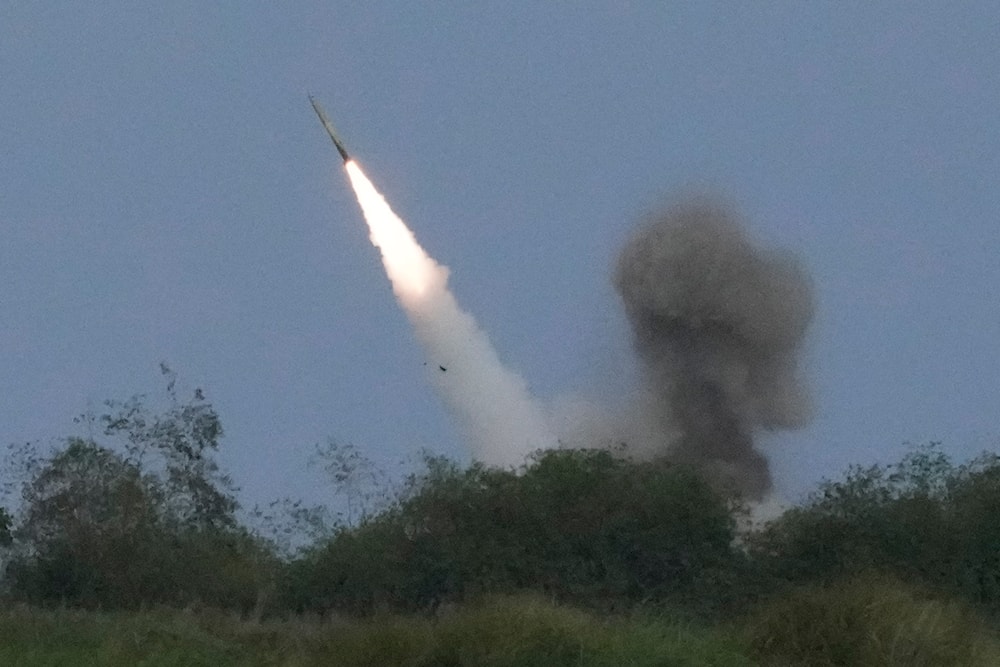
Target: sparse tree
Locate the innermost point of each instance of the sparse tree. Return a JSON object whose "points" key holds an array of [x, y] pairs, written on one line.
{"points": [[364, 487], [144, 516]]}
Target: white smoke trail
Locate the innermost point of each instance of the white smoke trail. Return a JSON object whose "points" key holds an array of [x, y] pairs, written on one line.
{"points": [[492, 404]]}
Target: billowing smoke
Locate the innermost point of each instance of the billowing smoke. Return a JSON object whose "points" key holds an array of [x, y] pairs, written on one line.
{"points": [[718, 324]]}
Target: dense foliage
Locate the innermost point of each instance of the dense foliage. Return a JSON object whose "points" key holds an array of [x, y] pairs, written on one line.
{"points": [[923, 520], [145, 517], [897, 564], [582, 526]]}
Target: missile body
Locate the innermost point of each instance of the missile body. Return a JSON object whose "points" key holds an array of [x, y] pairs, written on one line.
{"points": [[329, 129]]}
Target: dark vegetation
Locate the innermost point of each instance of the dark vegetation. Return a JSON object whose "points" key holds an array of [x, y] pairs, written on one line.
{"points": [[579, 526], [580, 558]]}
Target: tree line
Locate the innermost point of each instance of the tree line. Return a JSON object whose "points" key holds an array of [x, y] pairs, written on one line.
{"points": [[141, 514]]}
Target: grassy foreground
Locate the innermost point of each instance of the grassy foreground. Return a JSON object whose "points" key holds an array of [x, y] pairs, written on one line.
{"points": [[521, 631], [868, 621]]}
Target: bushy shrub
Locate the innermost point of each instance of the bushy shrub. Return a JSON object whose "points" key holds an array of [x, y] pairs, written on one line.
{"points": [[582, 526], [923, 519], [143, 517]]}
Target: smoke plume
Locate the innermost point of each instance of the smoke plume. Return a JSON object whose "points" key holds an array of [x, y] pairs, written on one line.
{"points": [[718, 324], [491, 403]]}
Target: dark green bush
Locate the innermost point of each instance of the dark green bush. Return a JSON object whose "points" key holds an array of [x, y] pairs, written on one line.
{"points": [[923, 519], [582, 526], [145, 518]]}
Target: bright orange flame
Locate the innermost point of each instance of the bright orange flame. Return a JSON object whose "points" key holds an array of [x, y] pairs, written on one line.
{"points": [[410, 269]]}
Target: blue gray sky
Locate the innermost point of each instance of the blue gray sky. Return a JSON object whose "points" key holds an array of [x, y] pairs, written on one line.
{"points": [[166, 194]]}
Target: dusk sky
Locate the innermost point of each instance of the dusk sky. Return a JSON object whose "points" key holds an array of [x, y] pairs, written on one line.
{"points": [[167, 194]]}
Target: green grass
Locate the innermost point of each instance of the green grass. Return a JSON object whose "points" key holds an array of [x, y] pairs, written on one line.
{"points": [[526, 631], [521, 631], [871, 620], [868, 621], [69, 637]]}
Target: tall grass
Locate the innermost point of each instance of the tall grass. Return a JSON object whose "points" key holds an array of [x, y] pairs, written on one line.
{"points": [[55, 638], [869, 621], [527, 631], [518, 631], [873, 621]]}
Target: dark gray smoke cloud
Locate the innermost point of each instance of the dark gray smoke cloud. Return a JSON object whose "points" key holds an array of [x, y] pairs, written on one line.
{"points": [[718, 324]]}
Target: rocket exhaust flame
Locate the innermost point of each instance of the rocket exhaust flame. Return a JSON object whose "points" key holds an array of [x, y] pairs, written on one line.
{"points": [[495, 411], [411, 271], [492, 403]]}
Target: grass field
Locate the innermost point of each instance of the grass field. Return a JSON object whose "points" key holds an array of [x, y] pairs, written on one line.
{"points": [[865, 622], [870, 620], [523, 631]]}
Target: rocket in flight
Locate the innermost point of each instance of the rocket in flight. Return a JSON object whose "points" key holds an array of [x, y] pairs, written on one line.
{"points": [[329, 129]]}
